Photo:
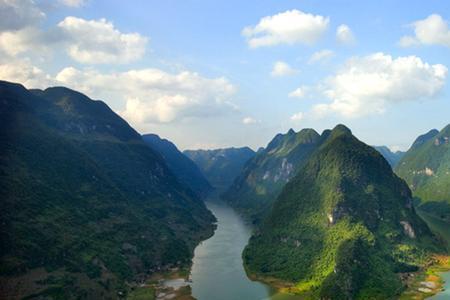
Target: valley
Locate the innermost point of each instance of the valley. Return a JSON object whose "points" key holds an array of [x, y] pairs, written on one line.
{"points": [[93, 209]]}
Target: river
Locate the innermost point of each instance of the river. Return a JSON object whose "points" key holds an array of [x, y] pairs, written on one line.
{"points": [[217, 270]]}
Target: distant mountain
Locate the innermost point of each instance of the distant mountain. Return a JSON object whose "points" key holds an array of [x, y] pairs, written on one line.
{"points": [[86, 206], [221, 166], [392, 157], [342, 228], [426, 168], [182, 166], [264, 176]]}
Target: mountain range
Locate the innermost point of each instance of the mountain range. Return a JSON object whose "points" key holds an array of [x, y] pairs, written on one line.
{"points": [[263, 177], [87, 206], [221, 166], [426, 168], [343, 227], [184, 168], [392, 157], [90, 208]]}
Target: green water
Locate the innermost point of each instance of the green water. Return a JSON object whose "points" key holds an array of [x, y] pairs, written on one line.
{"points": [[217, 271]]}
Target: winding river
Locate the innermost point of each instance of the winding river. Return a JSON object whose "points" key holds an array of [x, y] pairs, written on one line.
{"points": [[217, 270]]}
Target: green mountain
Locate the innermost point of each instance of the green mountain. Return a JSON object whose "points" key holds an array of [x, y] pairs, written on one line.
{"points": [[426, 168], [182, 166], [86, 206], [220, 166], [343, 227], [264, 176], [392, 157]]}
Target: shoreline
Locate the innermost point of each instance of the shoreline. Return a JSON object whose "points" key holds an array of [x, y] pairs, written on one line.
{"points": [[420, 285], [427, 282]]}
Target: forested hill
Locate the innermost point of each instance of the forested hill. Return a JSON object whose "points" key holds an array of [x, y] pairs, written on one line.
{"points": [[426, 168], [181, 165], [86, 205], [343, 228]]}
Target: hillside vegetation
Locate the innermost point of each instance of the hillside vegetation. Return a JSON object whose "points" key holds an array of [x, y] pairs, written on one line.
{"points": [[343, 227], [426, 169], [86, 206]]}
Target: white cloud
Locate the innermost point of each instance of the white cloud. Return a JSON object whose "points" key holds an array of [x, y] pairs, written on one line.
{"points": [[289, 27], [249, 120], [86, 41], [98, 42], [433, 30], [344, 35], [73, 3], [280, 68], [297, 117], [22, 71], [322, 55], [18, 14], [369, 84], [155, 96], [29, 39], [300, 92]]}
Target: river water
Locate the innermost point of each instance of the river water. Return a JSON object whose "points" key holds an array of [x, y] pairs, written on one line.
{"points": [[217, 270]]}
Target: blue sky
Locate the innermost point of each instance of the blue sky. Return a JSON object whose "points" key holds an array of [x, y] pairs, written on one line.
{"points": [[186, 70]]}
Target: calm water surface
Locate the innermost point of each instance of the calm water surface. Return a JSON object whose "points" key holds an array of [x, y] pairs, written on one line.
{"points": [[217, 270]]}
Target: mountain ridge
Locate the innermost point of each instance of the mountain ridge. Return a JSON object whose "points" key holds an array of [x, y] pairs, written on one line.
{"points": [[87, 207], [343, 227], [181, 165]]}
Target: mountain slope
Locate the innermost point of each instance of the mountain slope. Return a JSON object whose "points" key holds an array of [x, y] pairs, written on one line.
{"points": [[184, 168], [220, 166], [86, 205], [426, 168], [392, 157], [264, 176], [342, 227]]}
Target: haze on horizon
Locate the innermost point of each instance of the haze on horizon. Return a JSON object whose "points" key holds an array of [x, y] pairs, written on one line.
{"points": [[209, 75]]}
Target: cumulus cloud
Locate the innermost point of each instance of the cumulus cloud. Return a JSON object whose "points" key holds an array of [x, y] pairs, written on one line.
{"points": [[322, 55], [153, 95], [289, 27], [18, 14], [97, 42], [85, 41], [344, 35], [29, 39], [297, 117], [433, 30], [300, 92], [369, 84], [280, 68], [24, 72]]}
